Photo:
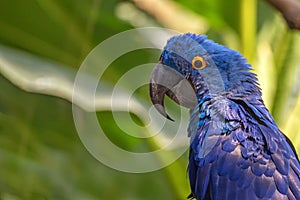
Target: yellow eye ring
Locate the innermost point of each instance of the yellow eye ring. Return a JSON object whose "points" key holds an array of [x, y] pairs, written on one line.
{"points": [[198, 62]]}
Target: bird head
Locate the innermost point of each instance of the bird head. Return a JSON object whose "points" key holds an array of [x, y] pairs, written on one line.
{"points": [[192, 67]]}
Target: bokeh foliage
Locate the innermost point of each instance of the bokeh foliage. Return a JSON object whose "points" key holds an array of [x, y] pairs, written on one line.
{"points": [[41, 156]]}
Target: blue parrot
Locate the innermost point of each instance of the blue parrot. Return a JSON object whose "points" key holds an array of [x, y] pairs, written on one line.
{"points": [[237, 152]]}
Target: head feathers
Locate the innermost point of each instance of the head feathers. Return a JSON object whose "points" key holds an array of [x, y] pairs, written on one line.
{"points": [[225, 67]]}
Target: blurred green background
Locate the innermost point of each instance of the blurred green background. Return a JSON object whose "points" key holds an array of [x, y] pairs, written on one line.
{"points": [[41, 155]]}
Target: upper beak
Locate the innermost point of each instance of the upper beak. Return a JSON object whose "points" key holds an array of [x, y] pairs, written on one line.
{"points": [[166, 81]]}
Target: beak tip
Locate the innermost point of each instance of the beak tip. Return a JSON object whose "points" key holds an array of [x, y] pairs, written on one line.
{"points": [[160, 108], [169, 118]]}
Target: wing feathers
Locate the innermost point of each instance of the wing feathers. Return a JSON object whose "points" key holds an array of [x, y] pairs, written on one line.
{"points": [[282, 164], [202, 182], [294, 184], [281, 182], [243, 160]]}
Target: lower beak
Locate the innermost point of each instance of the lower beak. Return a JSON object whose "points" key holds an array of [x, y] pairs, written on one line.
{"points": [[166, 81]]}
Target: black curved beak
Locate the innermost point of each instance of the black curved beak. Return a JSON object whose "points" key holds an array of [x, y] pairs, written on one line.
{"points": [[166, 81]]}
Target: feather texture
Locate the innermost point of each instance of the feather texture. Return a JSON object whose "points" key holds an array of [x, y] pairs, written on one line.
{"points": [[236, 151], [241, 165]]}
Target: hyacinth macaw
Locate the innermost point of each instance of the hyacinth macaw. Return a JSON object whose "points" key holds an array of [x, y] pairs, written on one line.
{"points": [[237, 152]]}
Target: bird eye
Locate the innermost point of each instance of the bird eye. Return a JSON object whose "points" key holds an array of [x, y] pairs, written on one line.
{"points": [[198, 62]]}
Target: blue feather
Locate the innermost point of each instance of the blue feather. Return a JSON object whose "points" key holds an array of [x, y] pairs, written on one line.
{"points": [[294, 184], [258, 169], [270, 170], [229, 145], [236, 151], [246, 180], [281, 182], [202, 181], [282, 164]]}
